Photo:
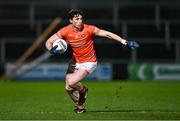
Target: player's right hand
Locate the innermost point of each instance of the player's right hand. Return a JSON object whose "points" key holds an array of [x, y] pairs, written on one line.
{"points": [[55, 51]]}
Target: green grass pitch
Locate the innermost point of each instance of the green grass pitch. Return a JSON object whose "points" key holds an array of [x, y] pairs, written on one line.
{"points": [[106, 101]]}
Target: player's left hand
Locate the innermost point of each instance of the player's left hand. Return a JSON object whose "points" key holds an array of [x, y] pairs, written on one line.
{"points": [[133, 44]]}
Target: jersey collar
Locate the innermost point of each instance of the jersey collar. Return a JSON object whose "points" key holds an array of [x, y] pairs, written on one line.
{"points": [[77, 30]]}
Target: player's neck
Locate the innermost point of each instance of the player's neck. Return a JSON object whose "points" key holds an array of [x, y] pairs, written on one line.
{"points": [[77, 28]]}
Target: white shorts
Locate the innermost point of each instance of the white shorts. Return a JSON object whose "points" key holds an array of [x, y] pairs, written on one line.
{"points": [[88, 66]]}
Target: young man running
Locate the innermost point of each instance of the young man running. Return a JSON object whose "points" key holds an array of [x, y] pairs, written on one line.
{"points": [[80, 37]]}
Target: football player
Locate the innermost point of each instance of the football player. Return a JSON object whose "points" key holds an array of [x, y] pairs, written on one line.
{"points": [[80, 36]]}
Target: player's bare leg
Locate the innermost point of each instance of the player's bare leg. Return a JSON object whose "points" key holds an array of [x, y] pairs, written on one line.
{"points": [[71, 91], [73, 83], [78, 97], [74, 92]]}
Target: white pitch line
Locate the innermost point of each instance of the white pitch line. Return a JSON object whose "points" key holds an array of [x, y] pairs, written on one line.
{"points": [[44, 112], [41, 112]]}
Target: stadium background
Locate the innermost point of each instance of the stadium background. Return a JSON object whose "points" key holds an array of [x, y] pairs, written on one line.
{"points": [[155, 23]]}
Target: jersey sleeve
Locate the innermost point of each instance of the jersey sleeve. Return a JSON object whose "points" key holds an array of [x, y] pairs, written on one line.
{"points": [[94, 30], [61, 33]]}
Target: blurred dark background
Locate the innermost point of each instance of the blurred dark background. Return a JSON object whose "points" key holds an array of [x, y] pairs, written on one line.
{"points": [[155, 23]]}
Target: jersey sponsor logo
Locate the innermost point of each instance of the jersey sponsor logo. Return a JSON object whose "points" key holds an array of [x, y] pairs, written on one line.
{"points": [[78, 43], [83, 35], [70, 35]]}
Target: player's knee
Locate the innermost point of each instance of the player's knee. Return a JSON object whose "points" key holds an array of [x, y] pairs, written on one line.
{"points": [[68, 87], [70, 82]]}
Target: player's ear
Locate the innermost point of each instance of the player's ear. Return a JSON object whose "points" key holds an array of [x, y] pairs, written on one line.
{"points": [[70, 20]]}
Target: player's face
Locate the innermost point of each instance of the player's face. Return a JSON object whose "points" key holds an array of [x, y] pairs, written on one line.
{"points": [[77, 21]]}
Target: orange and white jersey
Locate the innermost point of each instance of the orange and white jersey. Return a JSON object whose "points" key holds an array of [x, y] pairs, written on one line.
{"points": [[81, 42]]}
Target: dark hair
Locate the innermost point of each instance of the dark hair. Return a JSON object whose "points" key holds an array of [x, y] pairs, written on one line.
{"points": [[74, 12]]}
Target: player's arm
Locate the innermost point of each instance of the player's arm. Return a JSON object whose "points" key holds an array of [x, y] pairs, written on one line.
{"points": [[49, 44], [50, 41], [110, 35]]}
